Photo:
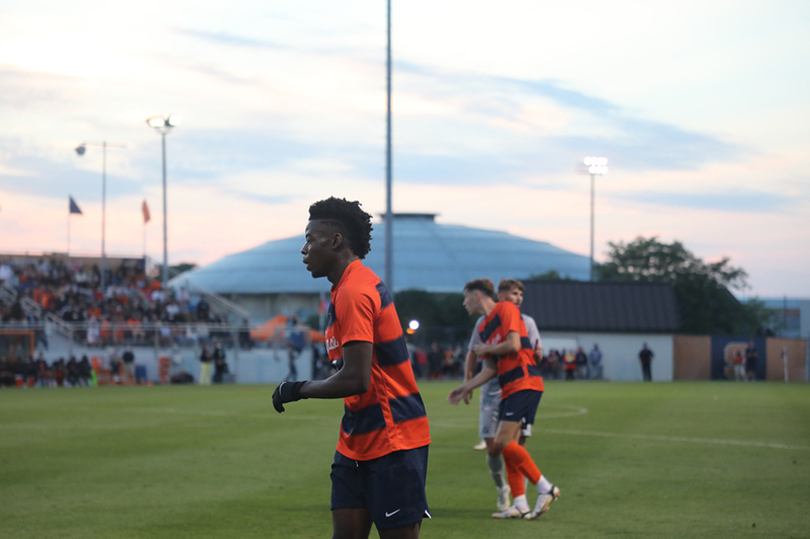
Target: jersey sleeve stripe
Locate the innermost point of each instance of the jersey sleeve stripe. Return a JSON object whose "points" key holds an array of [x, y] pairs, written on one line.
{"points": [[362, 421], [397, 382], [510, 376], [534, 370], [490, 328], [391, 353], [330, 317], [385, 295], [406, 408], [525, 343]]}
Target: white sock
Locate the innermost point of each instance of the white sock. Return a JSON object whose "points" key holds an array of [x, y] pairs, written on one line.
{"points": [[521, 504], [496, 470], [543, 486]]}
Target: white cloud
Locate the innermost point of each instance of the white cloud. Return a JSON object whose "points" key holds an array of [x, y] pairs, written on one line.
{"points": [[698, 105]]}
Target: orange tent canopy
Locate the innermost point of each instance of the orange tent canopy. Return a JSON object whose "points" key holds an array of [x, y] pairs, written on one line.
{"points": [[273, 330]]}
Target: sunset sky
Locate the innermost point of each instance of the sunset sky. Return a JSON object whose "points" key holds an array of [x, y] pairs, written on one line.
{"points": [[701, 108]]}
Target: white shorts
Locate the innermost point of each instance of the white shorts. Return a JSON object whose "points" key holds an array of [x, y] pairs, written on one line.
{"points": [[488, 416], [490, 401]]}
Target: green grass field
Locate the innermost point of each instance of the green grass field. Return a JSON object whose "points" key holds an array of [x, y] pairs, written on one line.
{"points": [[632, 460]]}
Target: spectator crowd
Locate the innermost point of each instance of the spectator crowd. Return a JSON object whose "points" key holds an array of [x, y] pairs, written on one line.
{"points": [[129, 307], [38, 373]]}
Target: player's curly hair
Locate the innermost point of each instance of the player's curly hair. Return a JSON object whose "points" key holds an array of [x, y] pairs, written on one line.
{"points": [[347, 218]]}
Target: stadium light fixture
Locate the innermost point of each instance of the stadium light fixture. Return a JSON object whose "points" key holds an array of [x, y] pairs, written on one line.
{"points": [[163, 125], [413, 325], [597, 166], [389, 214], [80, 150]]}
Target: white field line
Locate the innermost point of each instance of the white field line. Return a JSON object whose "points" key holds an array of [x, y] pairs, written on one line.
{"points": [[69, 424], [572, 411], [683, 439]]}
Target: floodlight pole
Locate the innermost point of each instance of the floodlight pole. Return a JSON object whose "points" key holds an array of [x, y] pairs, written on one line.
{"points": [[80, 150], [164, 278], [592, 212], [389, 218], [103, 213], [163, 125], [596, 166]]}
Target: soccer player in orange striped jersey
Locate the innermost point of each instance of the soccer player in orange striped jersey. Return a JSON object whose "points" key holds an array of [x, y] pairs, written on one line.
{"points": [[380, 467], [508, 290], [508, 354]]}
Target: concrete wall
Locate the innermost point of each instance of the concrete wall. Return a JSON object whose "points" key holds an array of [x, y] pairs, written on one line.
{"points": [[796, 355], [692, 357], [257, 366], [620, 352]]}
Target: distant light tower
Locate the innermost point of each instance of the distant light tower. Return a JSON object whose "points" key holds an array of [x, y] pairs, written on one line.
{"points": [[80, 149], [163, 126], [389, 216], [596, 166]]}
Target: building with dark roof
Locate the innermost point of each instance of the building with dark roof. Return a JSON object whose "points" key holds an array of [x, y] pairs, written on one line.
{"points": [[618, 317], [617, 307]]}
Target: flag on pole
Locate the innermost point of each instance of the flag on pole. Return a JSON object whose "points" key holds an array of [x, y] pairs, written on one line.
{"points": [[145, 210], [74, 208], [324, 305]]}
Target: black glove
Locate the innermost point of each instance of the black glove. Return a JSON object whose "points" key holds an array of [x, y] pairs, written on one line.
{"points": [[286, 392]]}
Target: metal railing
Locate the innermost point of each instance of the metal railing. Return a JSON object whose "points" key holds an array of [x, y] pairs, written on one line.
{"points": [[8, 293], [213, 298], [159, 334]]}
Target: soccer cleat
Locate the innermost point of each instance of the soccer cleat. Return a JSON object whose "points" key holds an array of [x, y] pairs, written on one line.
{"points": [[503, 498], [480, 446], [511, 512], [543, 502]]}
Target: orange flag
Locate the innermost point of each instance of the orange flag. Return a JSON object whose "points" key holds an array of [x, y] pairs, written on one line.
{"points": [[145, 210]]}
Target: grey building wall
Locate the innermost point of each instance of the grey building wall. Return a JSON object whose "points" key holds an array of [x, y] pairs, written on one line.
{"points": [[619, 352]]}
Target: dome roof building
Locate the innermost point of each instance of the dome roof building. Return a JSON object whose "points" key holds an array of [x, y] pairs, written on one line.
{"points": [[270, 278]]}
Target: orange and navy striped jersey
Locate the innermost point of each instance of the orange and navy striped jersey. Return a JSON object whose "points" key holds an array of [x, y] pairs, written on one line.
{"points": [[390, 416], [516, 371]]}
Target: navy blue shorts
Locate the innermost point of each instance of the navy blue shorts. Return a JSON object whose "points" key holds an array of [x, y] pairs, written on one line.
{"points": [[391, 488], [520, 406]]}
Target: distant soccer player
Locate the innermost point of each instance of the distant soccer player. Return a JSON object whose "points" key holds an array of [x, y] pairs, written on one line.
{"points": [[507, 353], [380, 465], [508, 290]]}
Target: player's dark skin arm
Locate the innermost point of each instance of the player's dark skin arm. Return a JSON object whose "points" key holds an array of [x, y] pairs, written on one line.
{"points": [[353, 379]]}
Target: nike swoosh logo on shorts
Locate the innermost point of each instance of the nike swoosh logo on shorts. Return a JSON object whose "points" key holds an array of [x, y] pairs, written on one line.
{"points": [[509, 413], [388, 515]]}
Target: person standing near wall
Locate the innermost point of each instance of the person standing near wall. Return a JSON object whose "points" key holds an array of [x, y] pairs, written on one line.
{"points": [[751, 361], [128, 358], [646, 357], [220, 365], [205, 366], [596, 361], [739, 366]]}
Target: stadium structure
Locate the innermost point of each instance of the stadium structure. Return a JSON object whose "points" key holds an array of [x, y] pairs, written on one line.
{"points": [[270, 279]]}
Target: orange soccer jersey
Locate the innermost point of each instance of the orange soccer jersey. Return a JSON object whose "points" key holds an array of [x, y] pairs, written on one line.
{"points": [[390, 416], [516, 371]]}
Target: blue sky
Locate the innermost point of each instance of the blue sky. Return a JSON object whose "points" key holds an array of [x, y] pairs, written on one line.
{"points": [[700, 107]]}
